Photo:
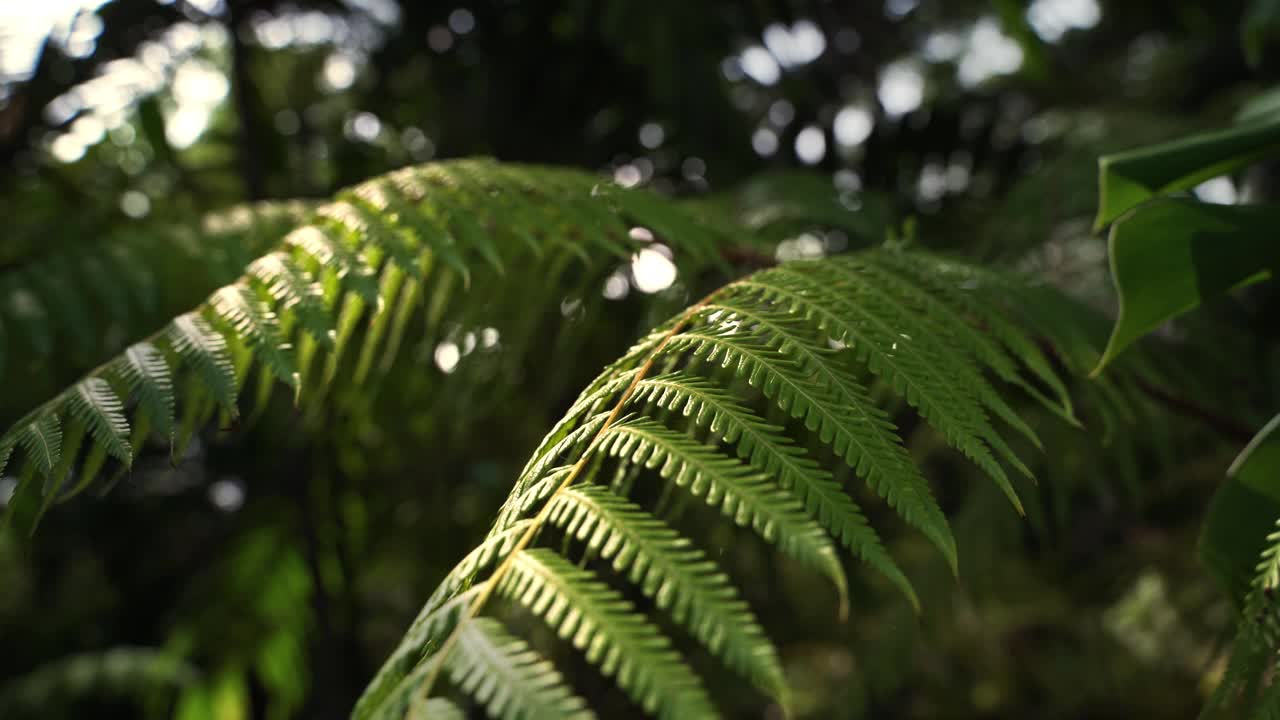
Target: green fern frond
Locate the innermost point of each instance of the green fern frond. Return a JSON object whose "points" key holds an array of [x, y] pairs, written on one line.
{"points": [[146, 374], [90, 297], [41, 439], [744, 497], [723, 402], [511, 680], [596, 620], [203, 349], [688, 404], [840, 411], [95, 405], [252, 319], [676, 575], [436, 709], [770, 451], [294, 289], [929, 385]]}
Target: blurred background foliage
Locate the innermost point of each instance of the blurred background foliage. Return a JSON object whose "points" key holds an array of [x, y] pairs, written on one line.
{"points": [[267, 571]]}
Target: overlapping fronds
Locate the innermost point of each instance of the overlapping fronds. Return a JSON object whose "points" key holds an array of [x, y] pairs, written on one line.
{"points": [[64, 312], [334, 298], [742, 402]]}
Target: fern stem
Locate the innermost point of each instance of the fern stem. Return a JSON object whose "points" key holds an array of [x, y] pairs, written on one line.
{"points": [[543, 512]]}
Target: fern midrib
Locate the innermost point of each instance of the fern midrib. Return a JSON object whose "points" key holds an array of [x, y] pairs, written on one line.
{"points": [[543, 512]]}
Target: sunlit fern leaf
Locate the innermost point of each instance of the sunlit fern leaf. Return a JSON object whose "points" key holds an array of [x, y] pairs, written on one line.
{"points": [[205, 350], [294, 290], [809, 384], [673, 572], [70, 309], [93, 403], [688, 404], [914, 321], [920, 378], [41, 441], [847, 421], [147, 376], [966, 295], [770, 451], [251, 318], [332, 252], [723, 482], [510, 679], [385, 251], [606, 628]]}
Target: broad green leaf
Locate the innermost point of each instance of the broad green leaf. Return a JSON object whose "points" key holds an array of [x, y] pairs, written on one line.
{"points": [[1169, 257], [1130, 178], [1243, 512]]}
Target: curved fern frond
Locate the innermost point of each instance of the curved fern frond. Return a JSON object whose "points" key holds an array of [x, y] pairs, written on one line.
{"points": [[726, 400], [509, 679], [147, 376], [95, 405], [599, 622], [75, 306], [383, 252], [674, 573], [744, 497], [204, 350], [41, 439], [771, 452]]}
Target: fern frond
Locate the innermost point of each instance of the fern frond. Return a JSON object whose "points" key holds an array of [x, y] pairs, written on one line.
{"points": [[595, 619], [511, 680], [203, 349], [251, 318], [919, 377], [146, 374], [688, 404], [744, 497], [293, 289], [837, 408], [41, 439], [89, 298], [436, 709], [675, 574], [770, 451], [95, 405]]}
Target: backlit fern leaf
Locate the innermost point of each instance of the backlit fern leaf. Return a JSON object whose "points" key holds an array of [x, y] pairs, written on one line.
{"points": [[203, 349], [673, 572], [252, 319], [746, 498], [41, 439], [147, 375], [610, 633], [95, 405], [924, 380], [735, 401], [513, 683], [689, 404], [770, 451]]}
